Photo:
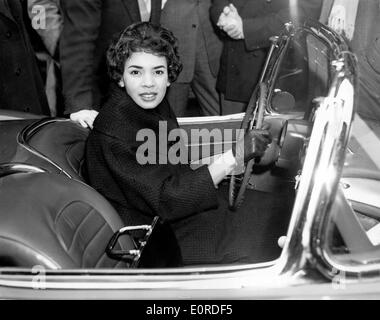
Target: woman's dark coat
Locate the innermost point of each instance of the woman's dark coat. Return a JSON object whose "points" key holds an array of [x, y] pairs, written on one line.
{"points": [[21, 86], [139, 192], [206, 230]]}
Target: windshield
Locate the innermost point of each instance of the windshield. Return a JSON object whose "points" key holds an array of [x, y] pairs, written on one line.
{"points": [[303, 74]]}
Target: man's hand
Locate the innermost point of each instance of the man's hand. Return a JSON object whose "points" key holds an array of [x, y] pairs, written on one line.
{"points": [[252, 145], [223, 18], [84, 117], [231, 22]]}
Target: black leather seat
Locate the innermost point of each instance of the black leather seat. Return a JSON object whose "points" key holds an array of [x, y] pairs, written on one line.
{"points": [[57, 222], [63, 142]]}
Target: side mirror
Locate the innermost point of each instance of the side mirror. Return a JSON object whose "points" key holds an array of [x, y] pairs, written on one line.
{"points": [[283, 101]]}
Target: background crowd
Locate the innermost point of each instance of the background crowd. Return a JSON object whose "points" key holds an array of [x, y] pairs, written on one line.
{"points": [[52, 52]]}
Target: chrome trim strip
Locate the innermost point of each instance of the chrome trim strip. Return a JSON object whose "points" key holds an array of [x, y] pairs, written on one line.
{"points": [[10, 168]]}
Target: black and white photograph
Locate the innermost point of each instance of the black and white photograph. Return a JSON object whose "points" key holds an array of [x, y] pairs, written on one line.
{"points": [[189, 153]]}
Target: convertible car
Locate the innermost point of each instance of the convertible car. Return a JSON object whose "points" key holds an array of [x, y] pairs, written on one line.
{"points": [[316, 195]]}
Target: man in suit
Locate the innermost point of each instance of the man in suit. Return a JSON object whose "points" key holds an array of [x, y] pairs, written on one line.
{"points": [[247, 26], [89, 26], [21, 86], [200, 49]]}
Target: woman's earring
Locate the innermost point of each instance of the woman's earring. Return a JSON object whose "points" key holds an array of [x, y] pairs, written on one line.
{"points": [[121, 84]]}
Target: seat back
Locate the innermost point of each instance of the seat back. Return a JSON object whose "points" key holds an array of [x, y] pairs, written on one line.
{"points": [[63, 142], [57, 222]]}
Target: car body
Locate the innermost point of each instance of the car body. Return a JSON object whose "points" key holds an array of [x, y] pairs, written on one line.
{"points": [[311, 80]]}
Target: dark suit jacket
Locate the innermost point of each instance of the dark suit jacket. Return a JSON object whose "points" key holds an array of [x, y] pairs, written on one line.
{"points": [[186, 18], [21, 86], [89, 26], [242, 60]]}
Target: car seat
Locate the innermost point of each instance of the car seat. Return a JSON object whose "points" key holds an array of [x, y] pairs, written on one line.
{"points": [[56, 222], [62, 142]]}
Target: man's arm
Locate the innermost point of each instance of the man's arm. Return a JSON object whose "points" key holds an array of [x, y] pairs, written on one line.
{"points": [[82, 20]]}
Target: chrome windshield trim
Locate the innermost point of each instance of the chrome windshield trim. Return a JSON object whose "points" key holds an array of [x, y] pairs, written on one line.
{"points": [[314, 197]]}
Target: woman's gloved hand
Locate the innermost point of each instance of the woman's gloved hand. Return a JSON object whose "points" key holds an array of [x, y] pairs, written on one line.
{"points": [[252, 145]]}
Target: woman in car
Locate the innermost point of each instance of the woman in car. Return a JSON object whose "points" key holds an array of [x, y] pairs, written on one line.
{"points": [[143, 62]]}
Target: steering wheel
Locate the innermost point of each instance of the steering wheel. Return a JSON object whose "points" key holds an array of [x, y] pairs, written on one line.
{"points": [[238, 185]]}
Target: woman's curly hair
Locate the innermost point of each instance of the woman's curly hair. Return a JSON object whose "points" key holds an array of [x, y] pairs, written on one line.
{"points": [[143, 37]]}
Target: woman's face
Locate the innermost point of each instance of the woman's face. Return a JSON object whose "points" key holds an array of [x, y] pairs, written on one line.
{"points": [[145, 79]]}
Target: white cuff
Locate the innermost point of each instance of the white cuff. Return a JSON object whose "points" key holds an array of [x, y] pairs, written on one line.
{"points": [[222, 166]]}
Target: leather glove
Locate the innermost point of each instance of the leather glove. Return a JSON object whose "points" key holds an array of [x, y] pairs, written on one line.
{"points": [[252, 145]]}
